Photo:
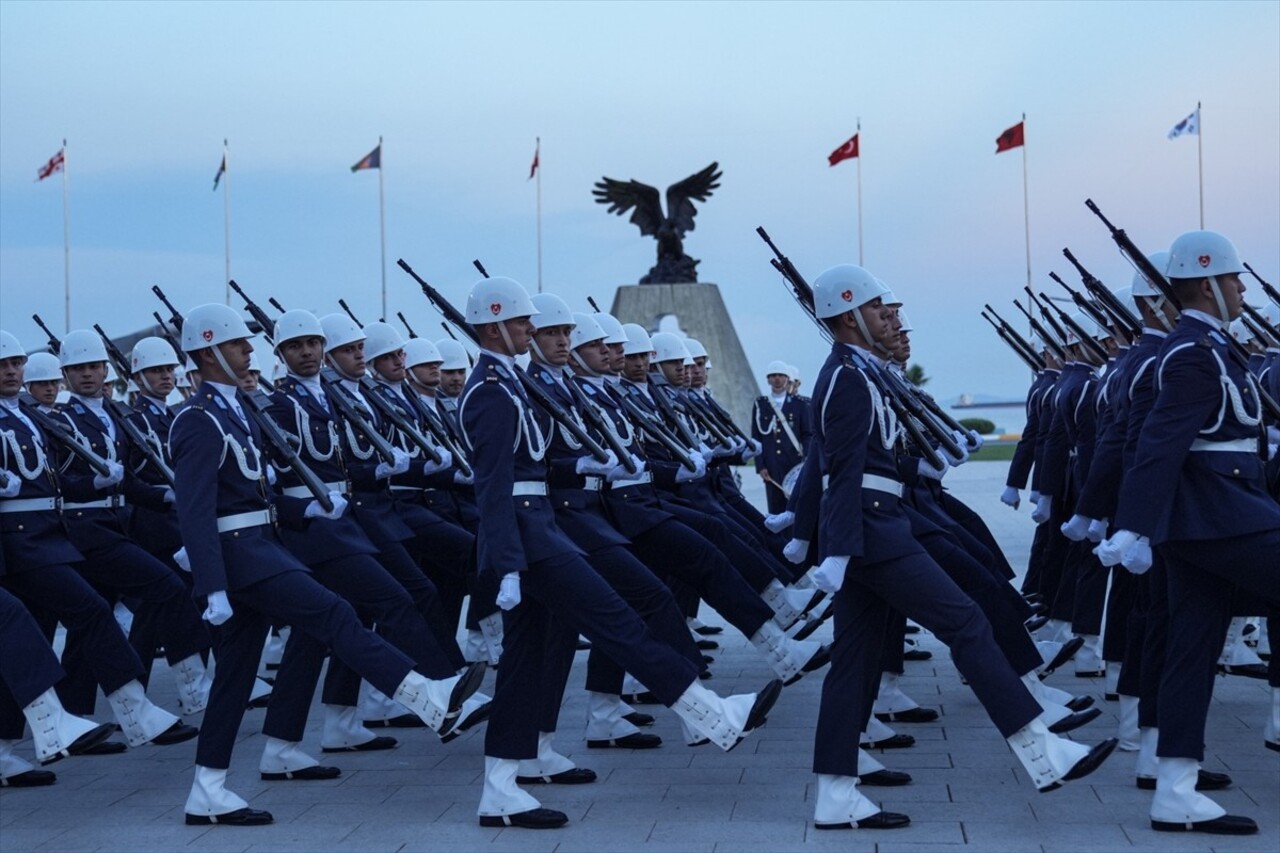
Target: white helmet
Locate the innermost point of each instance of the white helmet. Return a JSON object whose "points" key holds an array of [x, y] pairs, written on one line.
{"points": [[82, 346], [889, 298], [1238, 330], [1142, 287], [1202, 253], [1125, 295], [493, 300], [638, 340], [902, 318], [1271, 313], [212, 324], [152, 352], [420, 351], [42, 367], [586, 330], [843, 288], [669, 347], [339, 330], [255, 363], [1090, 328], [454, 355], [778, 367], [695, 348], [793, 372], [10, 347], [297, 323], [613, 331], [278, 370], [551, 311], [381, 339]]}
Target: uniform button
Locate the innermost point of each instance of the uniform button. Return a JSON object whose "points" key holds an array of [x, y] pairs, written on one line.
{"points": [[236, 534], [526, 503], [20, 527], [876, 504], [1235, 471]]}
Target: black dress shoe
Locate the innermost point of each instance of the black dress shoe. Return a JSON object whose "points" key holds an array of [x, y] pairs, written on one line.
{"points": [[1079, 703], [1035, 623], [1272, 744], [29, 779], [917, 654], [894, 742], [708, 630], [239, 817], [645, 698], [404, 721], [1066, 653], [708, 659], [306, 774], [879, 820], [1110, 697], [911, 629], [706, 645], [820, 658], [107, 747], [885, 778], [1075, 721], [639, 719], [1032, 597], [809, 627], [1228, 824], [467, 684], [260, 702], [532, 819], [1206, 781], [1086, 765], [572, 776], [635, 740], [378, 743], [470, 721], [911, 715], [91, 740], [177, 733], [706, 674], [1248, 670], [765, 700], [1092, 673], [582, 646]]}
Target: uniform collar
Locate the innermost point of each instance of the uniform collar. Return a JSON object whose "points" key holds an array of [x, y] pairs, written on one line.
{"points": [[94, 403], [502, 358], [1208, 319]]}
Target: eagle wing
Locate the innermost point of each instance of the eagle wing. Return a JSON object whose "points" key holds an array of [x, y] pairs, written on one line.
{"points": [[682, 195], [622, 196]]}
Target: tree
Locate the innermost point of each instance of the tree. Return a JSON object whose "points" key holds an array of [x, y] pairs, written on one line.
{"points": [[916, 374]]}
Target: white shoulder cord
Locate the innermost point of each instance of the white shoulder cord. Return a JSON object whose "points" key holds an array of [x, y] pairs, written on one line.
{"points": [[11, 440]]}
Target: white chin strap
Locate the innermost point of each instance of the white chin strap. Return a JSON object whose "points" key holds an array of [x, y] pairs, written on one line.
{"points": [[1156, 304], [1217, 298], [222, 362], [329, 360], [866, 333], [578, 360]]}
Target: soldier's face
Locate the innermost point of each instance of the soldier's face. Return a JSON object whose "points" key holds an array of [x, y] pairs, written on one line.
{"points": [[617, 357], [428, 375], [303, 355], [249, 381], [390, 366], [880, 322], [11, 370], [349, 358], [696, 373], [596, 356], [636, 367], [778, 382], [553, 342], [453, 381], [1232, 293], [159, 379], [237, 354], [45, 391], [86, 379], [673, 370]]}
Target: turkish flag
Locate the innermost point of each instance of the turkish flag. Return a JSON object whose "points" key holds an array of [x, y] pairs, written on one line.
{"points": [[1011, 138], [847, 151]]}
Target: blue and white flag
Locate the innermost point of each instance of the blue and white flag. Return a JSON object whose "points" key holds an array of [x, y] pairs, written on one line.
{"points": [[1190, 124]]}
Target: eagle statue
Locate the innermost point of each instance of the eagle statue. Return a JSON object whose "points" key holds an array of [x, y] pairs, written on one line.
{"points": [[673, 266]]}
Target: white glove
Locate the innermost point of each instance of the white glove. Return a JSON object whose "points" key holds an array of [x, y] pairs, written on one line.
{"points": [[928, 471], [315, 510], [446, 461], [115, 473], [180, 557], [1112, 551], [707, 453], [684, 475], [12, 485], [169, 496], [956, 461], [464, 479], [751, 451], [1033, 496], [721, 450], [1077, 528], [621, 473], [796, 550], [1273, 435], [218, 610], [590, 465], [780, 522], [509, 591], [1044, 508], [1011, 497], [399, 466], [977, 440], [1097, 530], [1138, 558], [271, 475], [829, 576], [1272, 449]]}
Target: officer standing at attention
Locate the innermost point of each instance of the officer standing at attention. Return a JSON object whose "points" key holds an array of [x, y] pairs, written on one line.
{"points": [[1197, 492], [780, 422]]}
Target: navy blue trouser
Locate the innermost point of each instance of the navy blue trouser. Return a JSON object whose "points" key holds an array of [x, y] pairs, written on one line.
{"points": [[402, 566], [748, 560], [28, 667]]}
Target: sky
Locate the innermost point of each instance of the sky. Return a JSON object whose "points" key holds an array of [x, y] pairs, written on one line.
{"points": [[145, 94]]}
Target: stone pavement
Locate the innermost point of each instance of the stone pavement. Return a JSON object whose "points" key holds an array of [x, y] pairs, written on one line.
{"points": [[969, 792]]}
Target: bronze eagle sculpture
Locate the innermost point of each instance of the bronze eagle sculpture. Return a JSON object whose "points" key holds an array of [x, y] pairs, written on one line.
{"points": [[673, 265]]}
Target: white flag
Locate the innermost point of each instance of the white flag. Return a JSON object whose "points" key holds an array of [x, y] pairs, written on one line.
{"points": [[1190, 124]]}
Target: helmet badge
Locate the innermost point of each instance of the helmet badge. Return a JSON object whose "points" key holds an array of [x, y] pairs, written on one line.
{"points": [[847, 296], [495, 308], [207, 334], [1204, 260]]}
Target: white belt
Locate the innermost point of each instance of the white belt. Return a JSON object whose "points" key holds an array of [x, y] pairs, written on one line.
{"points": [[406, 488], [528, 487], [1239, 445], [593, 484], [29, 505], [645, 477], [105, 503], [257, 518], [304, 492], [873, 482]]}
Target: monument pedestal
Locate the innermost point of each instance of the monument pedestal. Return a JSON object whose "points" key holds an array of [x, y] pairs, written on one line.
{"points": [[701, 312]]}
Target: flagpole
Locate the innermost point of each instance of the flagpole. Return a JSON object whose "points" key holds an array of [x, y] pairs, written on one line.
{"points": [[537, 148], [226, 223], [1200, 158], [1026, 204], [859, 135], [66, 246], [382, 225]]}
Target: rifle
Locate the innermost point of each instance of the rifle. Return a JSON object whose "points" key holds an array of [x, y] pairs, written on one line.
{"points": [[531, 387], [1108, 300], [255, 408], [407, 327], [120, 413], [271, 300], [1157, 279], [1262, 331], [1050, 342], [897, 400], [62, 433], [658, 432], [1059, 334], [342, 303], [1266, 288], [1032, 360], [594, 306], [163, 328], [340, 400], [1087, 340], [1086, 306]]}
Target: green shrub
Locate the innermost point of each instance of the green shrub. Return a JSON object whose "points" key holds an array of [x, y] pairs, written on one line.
{"points": [[981, 426]]}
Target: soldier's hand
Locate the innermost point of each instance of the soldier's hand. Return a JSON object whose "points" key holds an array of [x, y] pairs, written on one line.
{"points": [[829, 576], [509, 591], [398, 465], [446, 461], [765, 475], [1138, 558], [1097, 530], [316, 510], [1077, 528], [929, 472], [684, 475], [180, 557], [975, 441], [780, 522], [1044, 508], [1113, 550], [464, 479], [590, 465], [218, 610], [1011, 497], [115, 473], [12, 485], [796, 550]]}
